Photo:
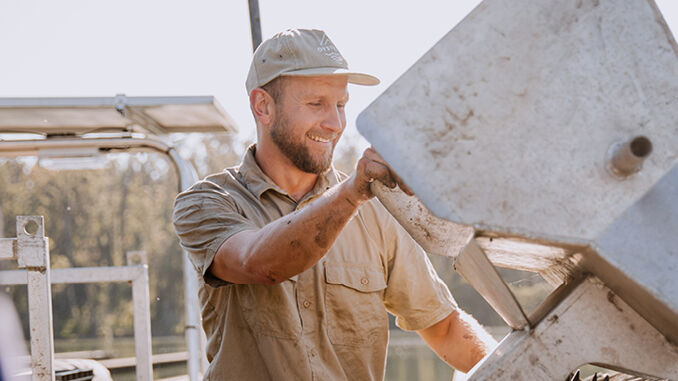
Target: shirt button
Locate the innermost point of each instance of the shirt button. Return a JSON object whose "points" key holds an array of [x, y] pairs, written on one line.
{"points": [[364, 281], [307, 304]]}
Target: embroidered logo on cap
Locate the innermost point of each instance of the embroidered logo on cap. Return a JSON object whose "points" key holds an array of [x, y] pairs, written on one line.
{"points": [[327, 48]]}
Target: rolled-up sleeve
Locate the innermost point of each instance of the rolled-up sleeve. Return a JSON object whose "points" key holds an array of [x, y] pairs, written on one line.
{"points": [[204, 217], [414, 294]]}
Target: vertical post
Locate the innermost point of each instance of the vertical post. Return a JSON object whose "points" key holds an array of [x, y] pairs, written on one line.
{"points": [[204, 364], [33, 255], [255, 24], [142, 326], [195, 336], [192, 310]]}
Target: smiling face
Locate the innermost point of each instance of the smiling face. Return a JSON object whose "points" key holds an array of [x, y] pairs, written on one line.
{"points": [[309, 120]]}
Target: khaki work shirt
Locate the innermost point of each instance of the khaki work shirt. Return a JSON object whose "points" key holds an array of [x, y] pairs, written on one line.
{"points": [[329, 322]]}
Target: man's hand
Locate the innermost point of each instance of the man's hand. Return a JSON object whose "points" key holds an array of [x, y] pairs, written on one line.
{"points": [[371, 167]]}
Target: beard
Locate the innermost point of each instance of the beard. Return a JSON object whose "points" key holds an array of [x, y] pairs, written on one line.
{"points": [[296, 151]]}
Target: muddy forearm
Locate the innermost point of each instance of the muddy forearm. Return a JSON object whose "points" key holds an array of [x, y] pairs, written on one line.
{"points": [[297, 241], [289, 245]]}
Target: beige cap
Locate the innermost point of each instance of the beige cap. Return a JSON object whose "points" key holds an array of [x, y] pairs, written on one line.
{"points": [[303, 52]]}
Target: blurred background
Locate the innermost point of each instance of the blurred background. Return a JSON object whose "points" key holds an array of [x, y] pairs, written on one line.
{"points": [[162, 48]]}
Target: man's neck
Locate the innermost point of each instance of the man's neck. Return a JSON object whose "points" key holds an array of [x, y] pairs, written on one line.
{"points": [[285, 174]]}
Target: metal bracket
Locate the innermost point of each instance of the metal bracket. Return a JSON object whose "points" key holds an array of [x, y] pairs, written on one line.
{"points": [[32, 246], [121, 104]]}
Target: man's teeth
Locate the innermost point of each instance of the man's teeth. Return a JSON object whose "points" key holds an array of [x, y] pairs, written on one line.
{"points": [[318, 139]]}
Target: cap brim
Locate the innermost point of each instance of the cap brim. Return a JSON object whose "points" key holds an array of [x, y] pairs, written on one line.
{"points": [[353, 77]]}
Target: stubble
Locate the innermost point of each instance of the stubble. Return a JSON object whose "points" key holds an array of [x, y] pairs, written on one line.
{"points": [[296, 150]]}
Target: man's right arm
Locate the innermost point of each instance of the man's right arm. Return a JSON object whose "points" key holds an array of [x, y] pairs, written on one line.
{"points": [[297, 241], [287, 246]]}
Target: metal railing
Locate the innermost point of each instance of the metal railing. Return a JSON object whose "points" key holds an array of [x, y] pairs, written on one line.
{"points": [[31, 250]]}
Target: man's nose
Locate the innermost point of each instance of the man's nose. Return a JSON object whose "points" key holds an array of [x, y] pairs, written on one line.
{"points": [[334, 119]]}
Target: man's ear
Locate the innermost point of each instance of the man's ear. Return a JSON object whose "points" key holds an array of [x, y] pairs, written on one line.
{"points": [[262, 105]]}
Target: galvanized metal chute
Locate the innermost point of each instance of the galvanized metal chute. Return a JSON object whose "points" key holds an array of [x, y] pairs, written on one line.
{"points": [[549, 128], [67, 127]]}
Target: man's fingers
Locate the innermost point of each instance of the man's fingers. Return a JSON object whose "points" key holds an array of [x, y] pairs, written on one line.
{"points": [[378, 171], [374, 156]]}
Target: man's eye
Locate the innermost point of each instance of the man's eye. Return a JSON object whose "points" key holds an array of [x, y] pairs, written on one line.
{"points": [[314, 103], [341, 105]]}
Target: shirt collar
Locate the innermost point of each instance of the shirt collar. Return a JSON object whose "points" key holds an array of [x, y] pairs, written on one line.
{"points": [[258, 182]]}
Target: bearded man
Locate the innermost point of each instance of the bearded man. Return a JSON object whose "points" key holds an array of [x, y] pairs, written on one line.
{"points": [[300, 263]]}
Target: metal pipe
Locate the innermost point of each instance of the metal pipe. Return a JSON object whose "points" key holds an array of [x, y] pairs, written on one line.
{"points": [[32, 252], [625, 159], [142, 327], [197, 364], [255, 24], [78, 275], [13, 148]]}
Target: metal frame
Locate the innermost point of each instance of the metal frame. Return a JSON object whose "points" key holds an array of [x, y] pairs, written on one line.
{"points": [[197, 362], [590, 325], [31, 250], [73, 115]]}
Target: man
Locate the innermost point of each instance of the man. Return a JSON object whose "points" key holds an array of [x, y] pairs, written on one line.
{"points": [[300, 263]]}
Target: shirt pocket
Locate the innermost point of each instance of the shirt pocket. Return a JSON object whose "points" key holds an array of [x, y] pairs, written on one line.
{"points": [[354, 303], [271, 310]]}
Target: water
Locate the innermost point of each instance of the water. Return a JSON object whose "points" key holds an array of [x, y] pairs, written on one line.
{"points": [[124, 347]]}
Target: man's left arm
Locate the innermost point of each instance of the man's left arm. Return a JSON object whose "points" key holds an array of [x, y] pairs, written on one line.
{"points": [[459, 340], [422, 302]]}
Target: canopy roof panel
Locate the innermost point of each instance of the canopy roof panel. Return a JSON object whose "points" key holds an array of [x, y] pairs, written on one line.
{"points": [[78, 116]]}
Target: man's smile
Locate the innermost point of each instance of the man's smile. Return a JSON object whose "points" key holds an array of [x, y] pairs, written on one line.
{"points": [[318, 139]]}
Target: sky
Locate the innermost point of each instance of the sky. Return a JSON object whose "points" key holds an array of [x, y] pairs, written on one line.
{"points": [[51, 48]]}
